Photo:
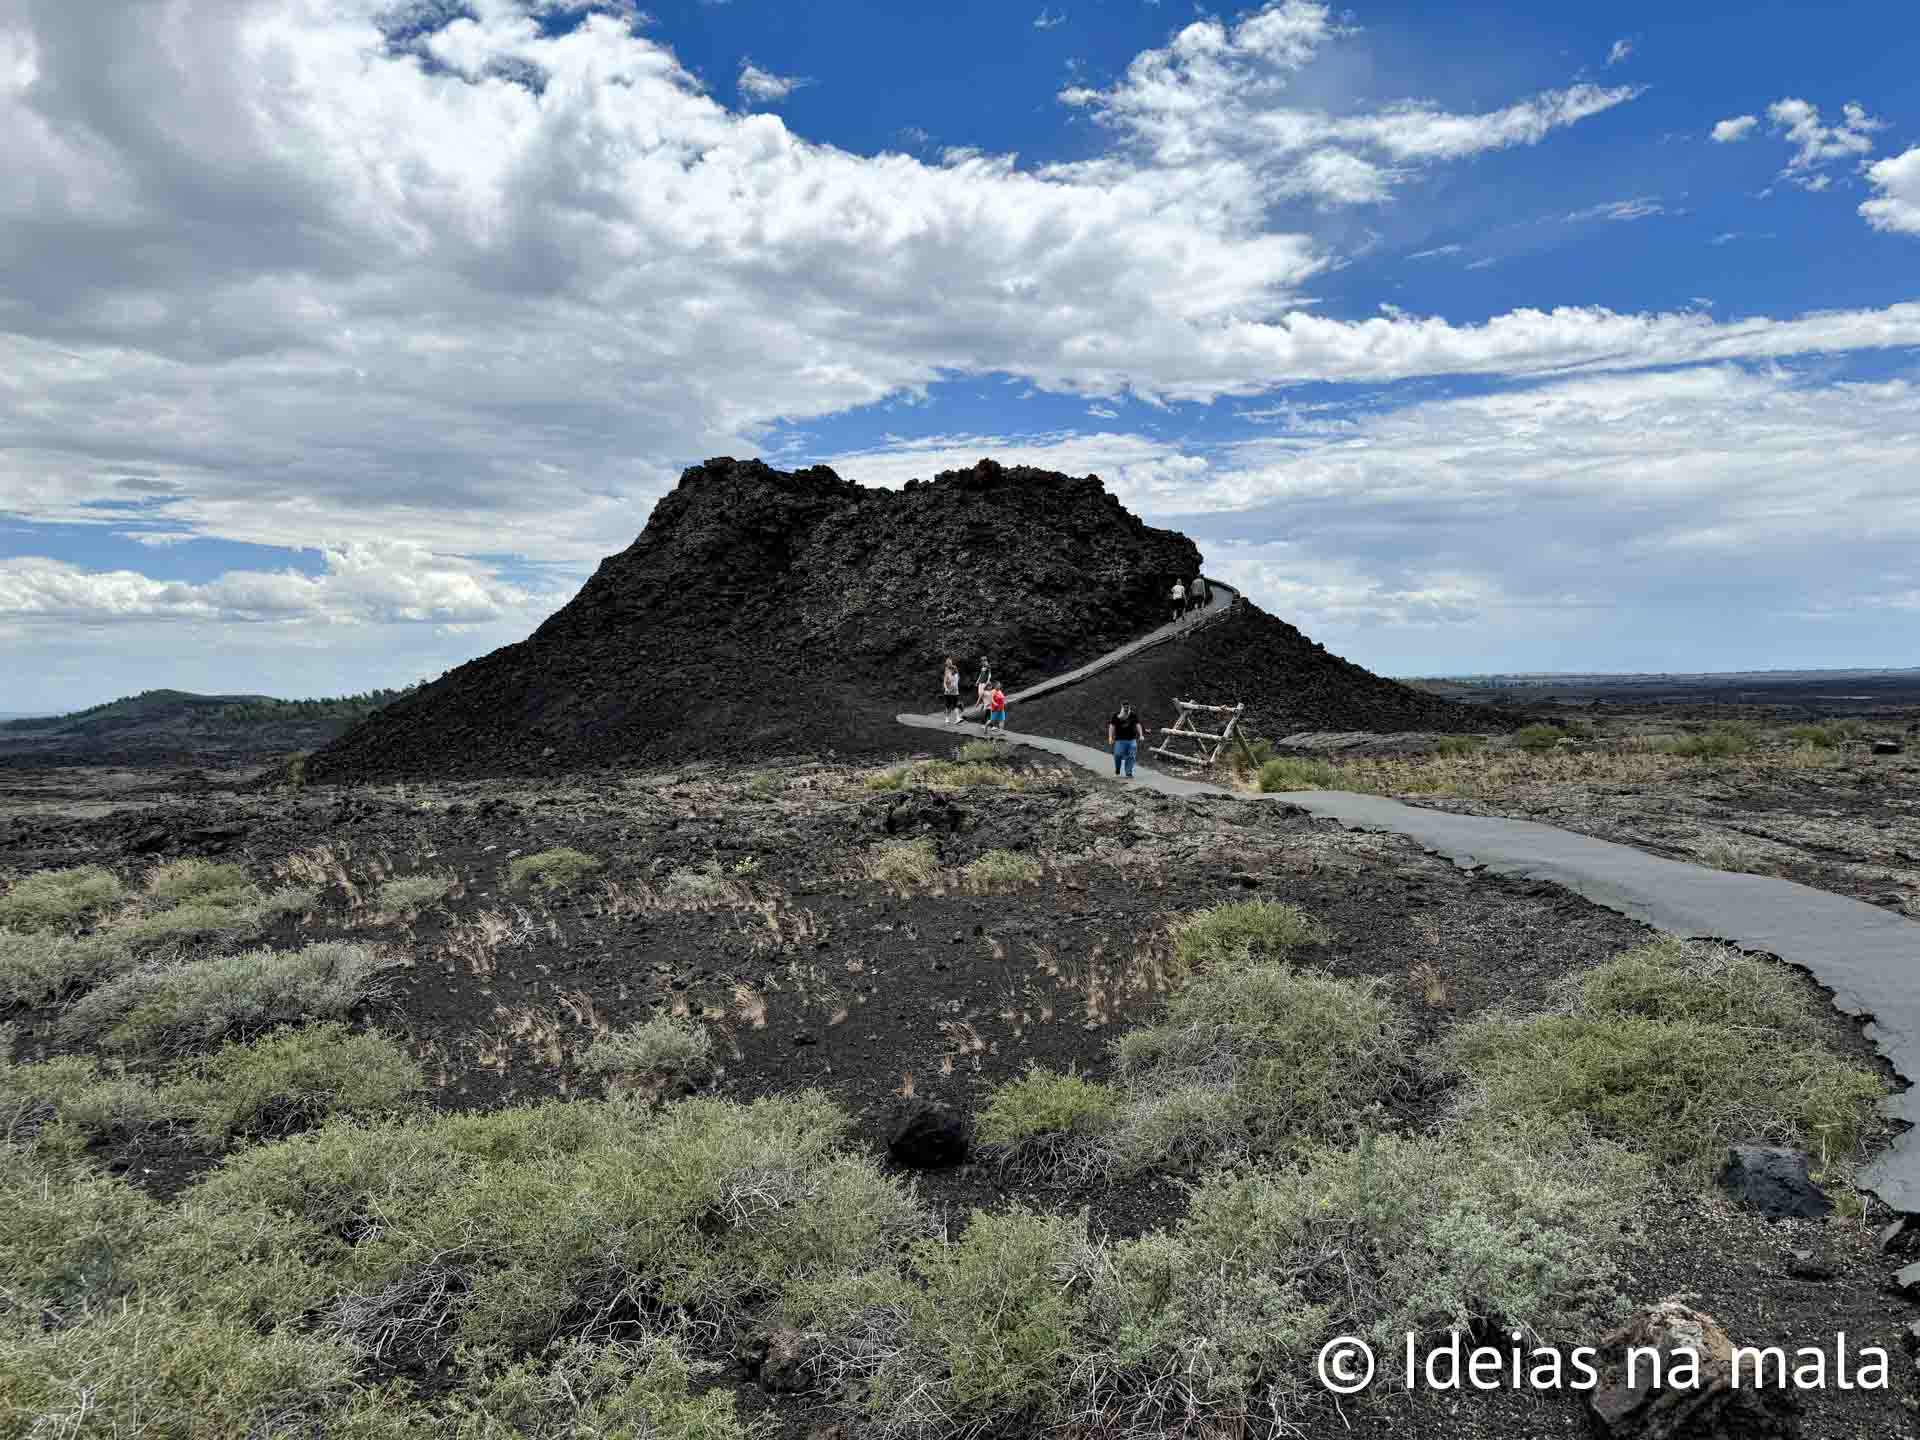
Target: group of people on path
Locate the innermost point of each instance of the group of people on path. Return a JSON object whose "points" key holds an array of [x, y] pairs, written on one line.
{"points": [[1194, 597], [987, 693]]}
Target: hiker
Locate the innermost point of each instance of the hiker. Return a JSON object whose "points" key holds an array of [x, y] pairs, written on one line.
{"points": [[997, 712], [950, 691], [1123, 737], [983, 682], [1179, 599], [1198, 594]]}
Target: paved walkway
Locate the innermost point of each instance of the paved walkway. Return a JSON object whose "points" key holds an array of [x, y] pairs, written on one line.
{"points": [[1867, 956]]}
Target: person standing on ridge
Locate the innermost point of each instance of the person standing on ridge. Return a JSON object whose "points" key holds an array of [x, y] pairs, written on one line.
{"points": [[950, 690], [1123, 738], [1179, 599]]}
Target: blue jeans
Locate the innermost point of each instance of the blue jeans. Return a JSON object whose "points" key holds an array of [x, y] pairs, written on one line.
{"points": [[1123, 753]]}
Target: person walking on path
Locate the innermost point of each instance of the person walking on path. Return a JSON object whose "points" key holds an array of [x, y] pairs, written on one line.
{"points": [[983, 682], [1123, 736], [1198, 594], [950, 690], [1179, 599], [997, 712]]}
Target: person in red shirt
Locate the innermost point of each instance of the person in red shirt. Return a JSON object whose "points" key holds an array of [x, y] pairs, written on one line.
{"points": [[997, 709]]}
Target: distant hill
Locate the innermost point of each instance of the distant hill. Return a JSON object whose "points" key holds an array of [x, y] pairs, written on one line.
{"points": [[159, 724]]}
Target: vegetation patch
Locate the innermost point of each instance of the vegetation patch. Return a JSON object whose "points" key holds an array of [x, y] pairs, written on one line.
{"points": [[985, 752], [557, 869], [1245, 930], [1049, 1124], [664, 1051], [292, 1079], [1000, 870], [412, 892], [59, 899], [1715, 744], [180, 1006], [182, 881], [37, 966], [908, 865], [1291, 774], [1676, 1051], [79, 1094], [1028, 1324], [571, 1220], [1258, 1057], [68, 1234], [1538, 738]]}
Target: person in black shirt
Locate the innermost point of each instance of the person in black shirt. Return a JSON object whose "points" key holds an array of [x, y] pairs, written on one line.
{"points": [[1123, 735]]}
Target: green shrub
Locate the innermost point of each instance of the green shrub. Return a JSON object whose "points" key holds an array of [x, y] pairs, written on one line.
{"points": [[1538, 738], [663, 1051], [952, 775], [893, 778], [59, 899], [180, 881], [152, 1370], [907, 865], [1049, 1125], [1295, 1057], [626, 1389], [1733, 857], [493, 1230], [297, 769], [38, 966], [1245, 929], [705, 884], [294, 1078], [999, 870], [227, 996], [555, 869], [68, 1234], [1714, 744], [1458, 744], [986, 752], [1820, 737], [413, 892], [1676, 1053], [75, 1091], [1290, 774]]}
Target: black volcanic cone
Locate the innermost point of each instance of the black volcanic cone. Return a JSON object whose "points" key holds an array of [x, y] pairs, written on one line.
{"points": [[763, 612]]}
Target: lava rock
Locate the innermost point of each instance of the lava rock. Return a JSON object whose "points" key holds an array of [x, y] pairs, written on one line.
{"points": [[777, 1359], [1773, 1180], [930, 1136], [1711, 1408], [1886, 747], [1802, 1265]]}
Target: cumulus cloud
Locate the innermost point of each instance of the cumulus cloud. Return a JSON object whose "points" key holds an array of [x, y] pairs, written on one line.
{"points": [[1897, 206], [1542, 515], [1819, 144], [1738, 128], [391, 582], [758, 84], [1209, 102]]}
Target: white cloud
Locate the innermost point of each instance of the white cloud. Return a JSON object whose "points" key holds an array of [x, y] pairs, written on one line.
{"points": [[1046, 19], [1639, 209], [1897, 207], [1436, 252], [1208, 103], [758, 84], [392, 582], [1103, 412], [1738, 128], [1620, 51], [1608, 512], [1820, 144]]}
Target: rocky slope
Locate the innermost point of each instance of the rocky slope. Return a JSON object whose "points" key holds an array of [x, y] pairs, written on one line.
{"points": [[763, 612]]}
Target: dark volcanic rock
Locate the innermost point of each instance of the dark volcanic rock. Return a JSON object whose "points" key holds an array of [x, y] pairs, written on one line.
{"points": [[929, 1136], [1288, 683], [763, 612], [1774, 1181]]}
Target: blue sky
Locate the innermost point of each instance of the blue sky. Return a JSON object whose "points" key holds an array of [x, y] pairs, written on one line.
{"points": [[339, 341]]}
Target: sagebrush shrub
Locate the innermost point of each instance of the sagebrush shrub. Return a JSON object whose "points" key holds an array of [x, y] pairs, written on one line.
{"points": [[555, 869], [293, 1078], [59, 899], [907, 865], [40, 965]]}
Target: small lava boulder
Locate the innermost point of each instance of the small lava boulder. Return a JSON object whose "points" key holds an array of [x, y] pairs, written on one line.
{"points": [[1681, 1398], [777, 1359], [930, 1136], [1773, 1180]]}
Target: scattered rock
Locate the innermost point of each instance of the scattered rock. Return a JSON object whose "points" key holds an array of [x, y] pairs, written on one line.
{"points": [[930, 1136], [1886, 747], [804, 1037], [777, 1359], [1906, 1281], [1708, 1408], [1803, 1265], [1773, 1180], [1893, 1235]]}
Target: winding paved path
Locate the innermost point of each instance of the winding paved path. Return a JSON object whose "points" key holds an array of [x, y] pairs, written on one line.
{"points": [[1868, 957]]}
